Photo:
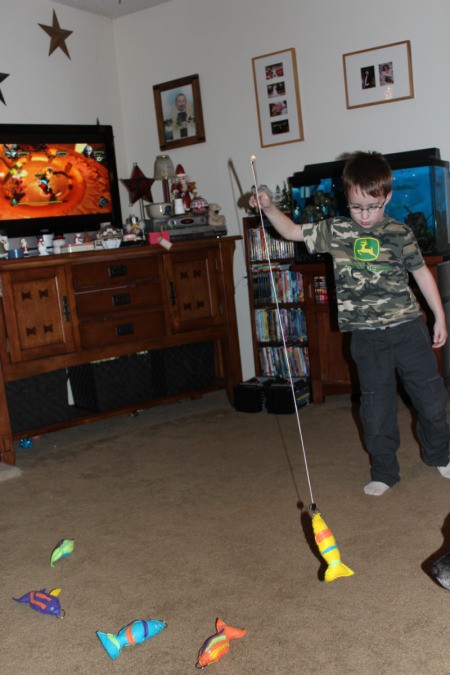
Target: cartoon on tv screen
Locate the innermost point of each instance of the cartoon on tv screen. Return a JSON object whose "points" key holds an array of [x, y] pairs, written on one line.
{"points": [[63, 179]]}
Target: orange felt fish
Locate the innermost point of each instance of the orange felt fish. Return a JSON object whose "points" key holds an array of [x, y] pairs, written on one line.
{"points": [[218, 644]]}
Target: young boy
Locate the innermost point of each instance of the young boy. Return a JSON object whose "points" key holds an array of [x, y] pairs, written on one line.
{"points": [[372, 256]]}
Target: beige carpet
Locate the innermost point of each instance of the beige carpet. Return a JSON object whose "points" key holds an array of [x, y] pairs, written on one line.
{"points": [[189, 512]]}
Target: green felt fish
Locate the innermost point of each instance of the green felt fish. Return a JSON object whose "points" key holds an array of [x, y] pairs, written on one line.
{"points": [[62, 550]]}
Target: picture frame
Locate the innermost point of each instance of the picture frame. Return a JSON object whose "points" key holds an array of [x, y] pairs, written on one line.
{"points": [[378, 75], [179, 113], [278, 98]]}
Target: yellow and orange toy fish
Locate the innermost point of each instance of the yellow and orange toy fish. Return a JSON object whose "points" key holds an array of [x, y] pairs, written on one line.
{"points": [[218, 644], [328, 548]]}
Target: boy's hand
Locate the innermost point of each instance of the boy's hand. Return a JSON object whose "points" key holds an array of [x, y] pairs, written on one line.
{"points": [[439, 334], [264, 200]]}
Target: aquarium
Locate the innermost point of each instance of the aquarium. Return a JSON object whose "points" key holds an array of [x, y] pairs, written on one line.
{"points": [[420, 196]]}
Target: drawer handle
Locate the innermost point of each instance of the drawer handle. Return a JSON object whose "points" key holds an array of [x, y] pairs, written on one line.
{"points": [[117, 271], [121, 299], [124, 329], [65, 308], [172, 293]]}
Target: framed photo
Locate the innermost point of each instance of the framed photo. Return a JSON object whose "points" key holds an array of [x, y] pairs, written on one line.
{"points": [[278, 98], [378, 75], [179, 114]]}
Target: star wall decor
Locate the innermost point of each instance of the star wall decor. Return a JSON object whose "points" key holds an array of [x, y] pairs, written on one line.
{"points": [[139, 186], [3, 76], [58, 36]]}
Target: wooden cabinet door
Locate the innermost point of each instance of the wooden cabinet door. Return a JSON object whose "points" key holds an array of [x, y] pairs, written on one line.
{"points": [[37, 314], [193, 283]]}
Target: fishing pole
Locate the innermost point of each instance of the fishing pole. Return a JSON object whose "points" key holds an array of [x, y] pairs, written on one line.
{"points": [[324, 537], [281, 327]]}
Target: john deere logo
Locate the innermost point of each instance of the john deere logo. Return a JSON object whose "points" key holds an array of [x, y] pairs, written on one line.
{"points": [[367, 249]]}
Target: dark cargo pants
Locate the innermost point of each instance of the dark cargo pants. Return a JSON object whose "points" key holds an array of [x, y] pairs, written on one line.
{"points": [[378, 355]]}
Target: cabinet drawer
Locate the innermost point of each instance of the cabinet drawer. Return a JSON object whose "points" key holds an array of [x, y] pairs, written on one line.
{"points": [[110, 301], [115, 271], [122, 330]]}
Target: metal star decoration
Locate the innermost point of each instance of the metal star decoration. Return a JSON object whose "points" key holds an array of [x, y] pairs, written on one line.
{"points": [[58, 36], [3, 76], [138, 185]]}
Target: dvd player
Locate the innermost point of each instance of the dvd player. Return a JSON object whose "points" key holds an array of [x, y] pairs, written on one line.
{"points": [[197, 232], [185, 227]]}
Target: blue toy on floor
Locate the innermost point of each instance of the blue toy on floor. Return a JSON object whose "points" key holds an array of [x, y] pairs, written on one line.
{"points": [[133, 634], [43, 602]]}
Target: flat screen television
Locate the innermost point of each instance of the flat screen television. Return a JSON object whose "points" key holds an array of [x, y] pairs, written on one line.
{"points": [[60, 178]]}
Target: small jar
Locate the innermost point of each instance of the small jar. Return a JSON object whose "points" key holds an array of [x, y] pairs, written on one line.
{"points": [[58, 243]]}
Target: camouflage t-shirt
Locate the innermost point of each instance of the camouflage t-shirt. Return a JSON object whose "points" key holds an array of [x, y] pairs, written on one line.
{"points": [[370, 269]]}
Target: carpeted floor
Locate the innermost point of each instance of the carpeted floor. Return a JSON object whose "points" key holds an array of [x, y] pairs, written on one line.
{"points": [[190, 512]]}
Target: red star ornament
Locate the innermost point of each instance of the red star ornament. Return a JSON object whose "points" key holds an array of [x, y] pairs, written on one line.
{"points": [[58, 36], [139, 186]]}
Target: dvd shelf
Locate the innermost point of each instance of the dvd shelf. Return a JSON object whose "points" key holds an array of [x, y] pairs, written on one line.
{"points": [[279, 248], [321, 289], [277, 297], [304, 290], [272, 324], [278, 282]]}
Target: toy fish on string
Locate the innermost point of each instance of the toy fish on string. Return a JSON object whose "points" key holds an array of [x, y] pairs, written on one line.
{"points": [[133, 634], [43, 602], [62, 550], [328, 548], [218, 644]]}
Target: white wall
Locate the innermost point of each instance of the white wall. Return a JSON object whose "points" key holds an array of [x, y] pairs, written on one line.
{"points": [[114, 66], [43, 89], [218, 38]]}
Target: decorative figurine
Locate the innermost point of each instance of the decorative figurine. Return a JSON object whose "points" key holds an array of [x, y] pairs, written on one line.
{"points": [[213, 216], [218, 644], [43, 602], [199, 206], [42, 247], [4, 244], [133, 634], [24, 246]]}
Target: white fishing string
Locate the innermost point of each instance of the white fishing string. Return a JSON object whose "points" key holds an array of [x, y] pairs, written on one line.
{"points": [[280, 323]]}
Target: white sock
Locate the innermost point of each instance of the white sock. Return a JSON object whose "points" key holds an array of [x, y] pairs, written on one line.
{"points": [[444, 470], [375, 488]]}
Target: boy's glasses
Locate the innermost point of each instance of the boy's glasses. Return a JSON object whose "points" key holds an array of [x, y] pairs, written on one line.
{"points": [[373, 208]]}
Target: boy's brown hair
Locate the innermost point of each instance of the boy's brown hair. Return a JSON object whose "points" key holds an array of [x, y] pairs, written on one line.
{"points": [[368, 172]]}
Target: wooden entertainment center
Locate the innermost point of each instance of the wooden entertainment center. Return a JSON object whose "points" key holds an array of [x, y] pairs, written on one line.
{"points": [[60, 312]]}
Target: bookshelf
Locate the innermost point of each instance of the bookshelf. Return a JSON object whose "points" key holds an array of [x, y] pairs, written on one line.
{"points": [[305, 291], [277, 304]]}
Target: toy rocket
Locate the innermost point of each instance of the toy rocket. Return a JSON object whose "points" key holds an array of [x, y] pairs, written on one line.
{"points": [[62, 550], [43, 602], [328, 548], [218, 644], [133, 634]]}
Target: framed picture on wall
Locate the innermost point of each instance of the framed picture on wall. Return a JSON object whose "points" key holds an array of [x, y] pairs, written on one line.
{"points": [[278, 98], [378, 75], [179, 114]]}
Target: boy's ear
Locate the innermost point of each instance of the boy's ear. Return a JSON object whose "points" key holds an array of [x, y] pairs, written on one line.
{"points": [[388, 198]]}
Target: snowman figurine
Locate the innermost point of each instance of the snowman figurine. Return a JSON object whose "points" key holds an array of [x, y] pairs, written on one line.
{"points": [[42, 249]]}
